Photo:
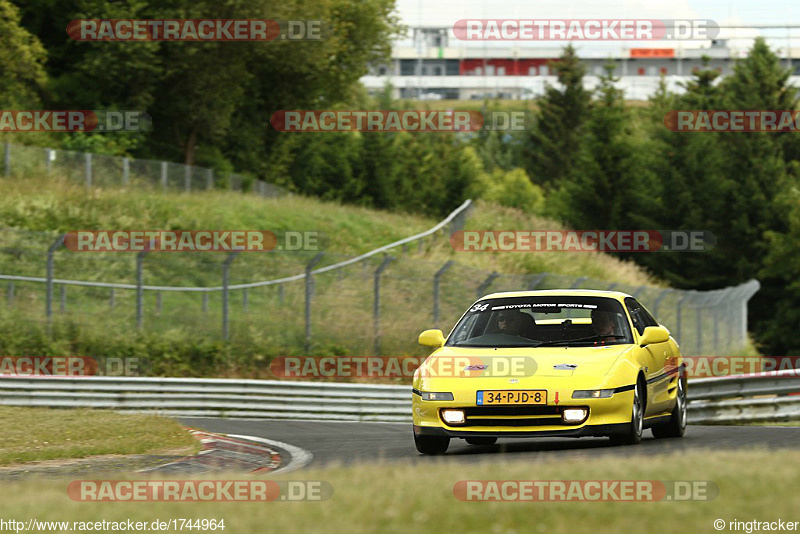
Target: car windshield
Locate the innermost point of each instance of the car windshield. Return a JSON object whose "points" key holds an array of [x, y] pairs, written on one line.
{"points": [[543, 321]]}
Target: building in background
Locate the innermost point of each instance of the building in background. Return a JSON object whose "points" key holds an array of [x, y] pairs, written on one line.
{"points": [[432, 64]]}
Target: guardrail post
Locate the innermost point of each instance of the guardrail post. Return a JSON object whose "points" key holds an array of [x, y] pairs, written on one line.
{"points": [[226, 265], [376, 306], [88, 169], [164, 175], [486, 283], [309, 294], [49, 297], [436, 279], [7, 158], [126, 171], [140, 288]]}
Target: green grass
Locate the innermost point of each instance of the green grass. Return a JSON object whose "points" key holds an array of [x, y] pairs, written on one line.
{"points": [[37, 434], [182, 339], [417, 496]]}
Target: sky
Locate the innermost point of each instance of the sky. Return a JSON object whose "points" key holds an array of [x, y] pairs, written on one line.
{"points": [[446, 12]]}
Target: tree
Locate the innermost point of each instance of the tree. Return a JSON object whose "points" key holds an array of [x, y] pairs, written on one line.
{"points": [[22, 57], [554, 141]]}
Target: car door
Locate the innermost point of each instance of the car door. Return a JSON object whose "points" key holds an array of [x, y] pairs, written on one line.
{"points": [[657, 356]]}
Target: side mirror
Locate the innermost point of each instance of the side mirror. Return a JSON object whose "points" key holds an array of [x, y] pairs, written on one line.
{"points": [[654, 334], [432, 338]]}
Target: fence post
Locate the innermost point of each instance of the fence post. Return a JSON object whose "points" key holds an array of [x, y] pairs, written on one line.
{"points": [[205, 301], [47, 160], [158, 302], [376, 307], [164, 175], [63, 305], [486, 283], [244, 299], [111, 299], [436, 279], [309, 290], [49, 298], [280, 294], [209, 179], [658, 300], [187, 178], [578, 282], [678, 314], [140, 287], [7, 158], [125, 171], [88, 169], [536, 280], [612, 286], [10, 294], [226, 265]]}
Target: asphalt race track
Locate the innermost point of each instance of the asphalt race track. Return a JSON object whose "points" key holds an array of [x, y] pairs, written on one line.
{"points": [[348, 443]]}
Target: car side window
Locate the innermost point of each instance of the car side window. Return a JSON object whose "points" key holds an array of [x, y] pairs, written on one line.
{"points": [[639, 316]]}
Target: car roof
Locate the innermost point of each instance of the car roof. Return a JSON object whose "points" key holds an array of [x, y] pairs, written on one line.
{"points": [[616, 295]]}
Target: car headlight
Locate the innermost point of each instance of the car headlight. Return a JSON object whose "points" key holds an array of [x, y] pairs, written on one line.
{"points": [[436, 396], [592, 394]]}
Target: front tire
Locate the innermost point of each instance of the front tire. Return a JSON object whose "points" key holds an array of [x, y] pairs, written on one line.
{"points": [[676, 427], [633, 431], [434, 445]]}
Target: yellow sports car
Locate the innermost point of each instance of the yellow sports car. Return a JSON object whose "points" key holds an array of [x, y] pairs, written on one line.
{"points": [[552, 363]]}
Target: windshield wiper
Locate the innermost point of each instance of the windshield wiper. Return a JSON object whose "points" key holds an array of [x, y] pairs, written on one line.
{"points": [[576, 340]]}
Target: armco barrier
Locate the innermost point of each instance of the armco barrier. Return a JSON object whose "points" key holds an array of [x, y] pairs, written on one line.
{"points": [[746, 398]]}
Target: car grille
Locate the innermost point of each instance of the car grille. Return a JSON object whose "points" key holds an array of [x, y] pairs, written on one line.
{"points": [[514, 416]]}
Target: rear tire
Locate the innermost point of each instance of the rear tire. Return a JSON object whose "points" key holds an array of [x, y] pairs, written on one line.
{"points": [[434, 445], [676, 427], [633, 431], [481, 441]]}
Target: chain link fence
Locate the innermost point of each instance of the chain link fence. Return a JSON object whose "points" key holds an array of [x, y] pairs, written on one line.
{"points": [[96, 170], [376, 303]]}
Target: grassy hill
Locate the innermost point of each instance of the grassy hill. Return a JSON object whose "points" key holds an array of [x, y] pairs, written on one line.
{"points": [[181, 333]]}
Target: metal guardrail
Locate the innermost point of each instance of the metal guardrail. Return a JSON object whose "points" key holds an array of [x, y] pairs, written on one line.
{"points": [[712, 400], [757, 397]]}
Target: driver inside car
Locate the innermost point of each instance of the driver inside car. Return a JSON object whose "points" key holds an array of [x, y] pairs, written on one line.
{"points": [[603, 325], [510, 322]]}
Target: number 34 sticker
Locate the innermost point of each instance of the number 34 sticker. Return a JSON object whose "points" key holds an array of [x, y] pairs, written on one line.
{"points": [[479, 307]]}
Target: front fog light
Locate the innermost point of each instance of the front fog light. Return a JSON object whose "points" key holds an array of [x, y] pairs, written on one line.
{"points": [[574, 415], [453, 417]]}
